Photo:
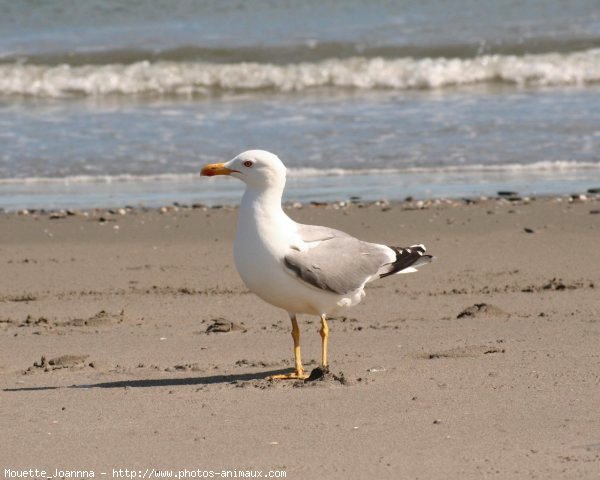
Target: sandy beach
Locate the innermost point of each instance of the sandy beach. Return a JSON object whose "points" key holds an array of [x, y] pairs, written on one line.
{"points": [[128, 341]]}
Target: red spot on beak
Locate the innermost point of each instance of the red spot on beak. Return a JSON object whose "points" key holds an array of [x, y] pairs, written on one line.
{"points": [[213, 169]]}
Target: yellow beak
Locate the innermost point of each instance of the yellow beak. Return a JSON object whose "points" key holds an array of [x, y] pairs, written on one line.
{"points": [[216, 169]]}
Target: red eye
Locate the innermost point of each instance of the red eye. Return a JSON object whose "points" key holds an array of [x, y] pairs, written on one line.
{"points": [[247, 163]]}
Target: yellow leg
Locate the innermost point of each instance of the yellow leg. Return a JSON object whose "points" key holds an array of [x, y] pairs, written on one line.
{"points": [[324, 334], [299, 370]]}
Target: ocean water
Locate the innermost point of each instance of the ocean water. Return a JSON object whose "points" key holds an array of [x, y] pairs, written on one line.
{"points": [[109, 102]]}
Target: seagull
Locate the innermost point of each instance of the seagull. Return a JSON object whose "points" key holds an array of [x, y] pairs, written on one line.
{"points": [[303, 269]]}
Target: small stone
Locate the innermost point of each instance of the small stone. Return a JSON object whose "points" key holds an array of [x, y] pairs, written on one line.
{"points": [[42, 363], [507, 193], [376, 369], [576, 197]]}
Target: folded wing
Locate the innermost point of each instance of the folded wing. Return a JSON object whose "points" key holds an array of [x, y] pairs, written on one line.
{"points": [[335, 261]]}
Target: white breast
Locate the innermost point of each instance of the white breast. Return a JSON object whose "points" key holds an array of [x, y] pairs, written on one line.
{"points": [[261, 243]]}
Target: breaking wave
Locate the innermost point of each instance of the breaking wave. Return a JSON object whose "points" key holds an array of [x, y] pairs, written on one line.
{"points": [[544, 166], [203, 78]]}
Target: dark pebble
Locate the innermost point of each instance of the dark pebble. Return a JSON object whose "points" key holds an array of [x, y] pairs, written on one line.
{"points": [[317, 373], [593, 190], [507, 193]]}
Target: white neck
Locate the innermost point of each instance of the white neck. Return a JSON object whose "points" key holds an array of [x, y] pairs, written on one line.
{"points": [[261, 213], [264, 202]]}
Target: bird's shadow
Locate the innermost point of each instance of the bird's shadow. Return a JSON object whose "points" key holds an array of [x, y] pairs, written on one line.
{"points": [[164, 382]]}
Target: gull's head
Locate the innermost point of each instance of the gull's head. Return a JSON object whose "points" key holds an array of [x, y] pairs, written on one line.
{"points": [[256, 168]]}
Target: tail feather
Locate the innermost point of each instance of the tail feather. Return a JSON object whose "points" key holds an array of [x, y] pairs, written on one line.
{"points": [[407, 260]]}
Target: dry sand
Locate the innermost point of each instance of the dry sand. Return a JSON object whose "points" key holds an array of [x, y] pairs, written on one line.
{"points": [[484, 364]]}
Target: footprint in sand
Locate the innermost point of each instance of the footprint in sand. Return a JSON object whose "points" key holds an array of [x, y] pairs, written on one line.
{"points": [[471, 351], [63, 361], [222, 325], [480, 310]]}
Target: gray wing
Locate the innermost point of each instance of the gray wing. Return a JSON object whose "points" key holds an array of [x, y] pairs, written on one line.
{"points": [[339, 263], [314, 233]]}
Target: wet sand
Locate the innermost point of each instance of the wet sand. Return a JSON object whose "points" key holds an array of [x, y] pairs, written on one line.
{"points": [[127, 340]]}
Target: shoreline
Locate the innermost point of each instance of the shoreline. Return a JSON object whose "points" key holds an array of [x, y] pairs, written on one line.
{"points": [[369, 187], [503, 196]]}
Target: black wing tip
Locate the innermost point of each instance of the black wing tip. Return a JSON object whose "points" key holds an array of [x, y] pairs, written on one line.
{"points": [[407, 257]]}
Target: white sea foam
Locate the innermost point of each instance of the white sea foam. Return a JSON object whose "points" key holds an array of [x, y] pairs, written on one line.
{"points": [[99, 179], [544, 166], [578, 68]]}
